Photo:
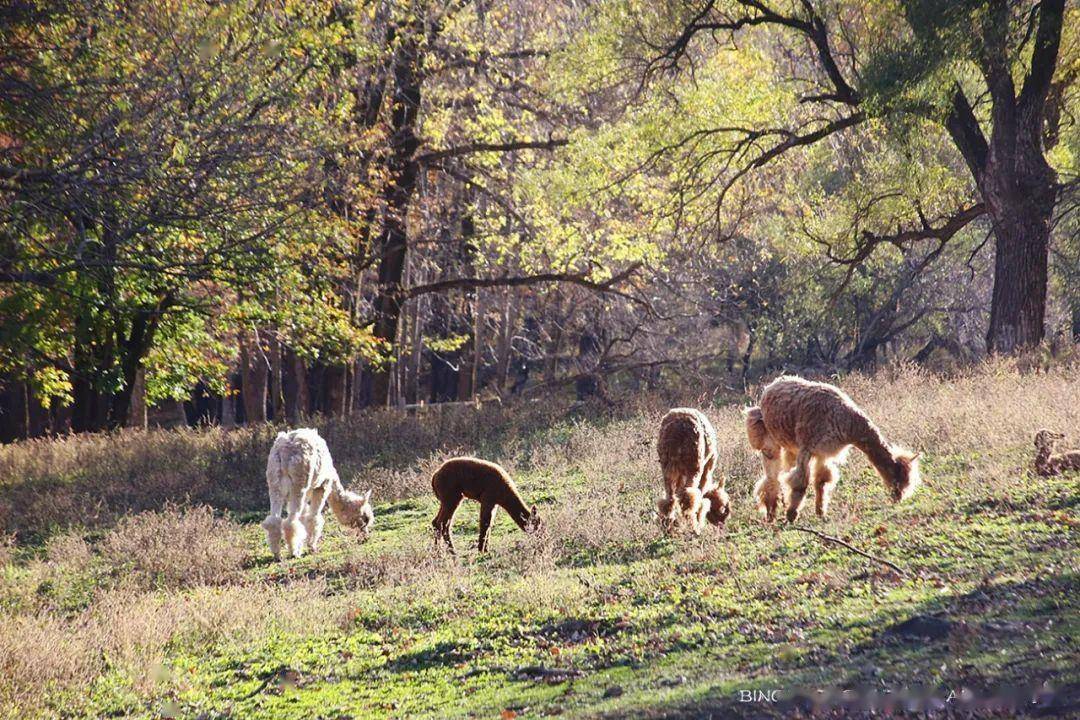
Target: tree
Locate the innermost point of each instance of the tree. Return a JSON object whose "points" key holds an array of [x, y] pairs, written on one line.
{"points": [[984, 72], [450, 87], [154, 163]]}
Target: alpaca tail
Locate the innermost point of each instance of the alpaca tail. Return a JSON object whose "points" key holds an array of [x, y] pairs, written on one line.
{"points": [[755, 428]]}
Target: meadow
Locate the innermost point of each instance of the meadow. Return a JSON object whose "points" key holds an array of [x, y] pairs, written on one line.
{"points": [[135, 580]]}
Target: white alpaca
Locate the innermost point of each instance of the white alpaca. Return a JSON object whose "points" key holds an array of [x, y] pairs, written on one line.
{"points": [[301, 478]]}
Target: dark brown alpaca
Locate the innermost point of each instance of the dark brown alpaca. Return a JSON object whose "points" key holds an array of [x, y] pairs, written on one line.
{"points": [[489, 485]]}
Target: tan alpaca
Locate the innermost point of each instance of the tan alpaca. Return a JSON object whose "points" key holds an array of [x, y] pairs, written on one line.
{"points": [[1048, 464], [803, 430], [488, 484], [687, 451]]}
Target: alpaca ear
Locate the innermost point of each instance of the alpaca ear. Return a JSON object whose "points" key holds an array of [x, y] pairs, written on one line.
{"points": [[533, 511], [367, 495]]}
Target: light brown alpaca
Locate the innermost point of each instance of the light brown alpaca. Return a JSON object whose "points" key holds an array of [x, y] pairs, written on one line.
{"points": [[488, 484], [1046, 463], [687, 451], [803, 430]]}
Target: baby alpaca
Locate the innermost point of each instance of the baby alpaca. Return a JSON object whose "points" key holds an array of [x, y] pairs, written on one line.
{"points": [[488, 484], [300, 477], [803, 430], [687, 451], [1046, 463]]}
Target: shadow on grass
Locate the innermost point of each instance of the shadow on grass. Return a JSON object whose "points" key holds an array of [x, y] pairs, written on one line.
{"points": [[979, 654]]}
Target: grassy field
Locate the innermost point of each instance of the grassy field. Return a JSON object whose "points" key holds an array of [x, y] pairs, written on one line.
{"points": [[135, 581]]}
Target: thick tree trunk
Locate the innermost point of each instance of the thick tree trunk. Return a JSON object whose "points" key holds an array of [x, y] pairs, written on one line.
{"points": [[228, 404], [1018, 307], [253, 373], [334, 383], [137, 413], [393, 244], [294, 385], [14, 413]]}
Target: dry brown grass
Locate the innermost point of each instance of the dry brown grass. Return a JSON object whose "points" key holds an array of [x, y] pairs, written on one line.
{"points": [[166, 571], [176, 548], [49, 658], [94, 479]]}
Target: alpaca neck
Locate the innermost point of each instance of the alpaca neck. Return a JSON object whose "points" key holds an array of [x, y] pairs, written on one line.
{"points": [[339, 501], [515, 507], [1042, 455], [878, 451]]}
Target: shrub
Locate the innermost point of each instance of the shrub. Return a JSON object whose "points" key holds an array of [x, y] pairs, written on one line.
{"points": [[177, 548]]}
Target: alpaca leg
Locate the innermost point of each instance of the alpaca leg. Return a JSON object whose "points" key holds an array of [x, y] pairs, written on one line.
{"points": [[666, 512], [295, 534], [767, 491], [444, 520], [667, 507], [698, 519], [705, 481], [313, 518], [486, 513], [691, 507], [272, 526], [825, 475], [795, 482]]}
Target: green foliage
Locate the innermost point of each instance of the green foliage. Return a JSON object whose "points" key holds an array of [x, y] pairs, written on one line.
{"points": [[184, 136]]}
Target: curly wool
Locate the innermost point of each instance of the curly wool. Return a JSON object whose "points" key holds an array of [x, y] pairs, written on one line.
{"points": [[1048, 464], [301, 479], [803, 430], [686, 448]]}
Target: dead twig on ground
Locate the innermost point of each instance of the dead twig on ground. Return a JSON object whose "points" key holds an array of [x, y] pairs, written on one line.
{"points": [[896, 568]]}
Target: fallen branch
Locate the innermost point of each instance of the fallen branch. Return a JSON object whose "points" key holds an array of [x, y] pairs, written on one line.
{"points": [[896, 568]]}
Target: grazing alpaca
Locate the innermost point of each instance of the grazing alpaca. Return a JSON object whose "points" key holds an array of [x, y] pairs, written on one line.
{"points": [[687, 451], [488, 484], [1046, 463], [300, 477], [803, 430]]}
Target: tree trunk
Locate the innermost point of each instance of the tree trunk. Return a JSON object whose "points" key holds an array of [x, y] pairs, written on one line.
{"points": [[334, 381], [293, 385], [412, 361], [275, 385], [253, 372], [137, 413], [1018, 307], [228, 404], [506, 336], [393, 244]]}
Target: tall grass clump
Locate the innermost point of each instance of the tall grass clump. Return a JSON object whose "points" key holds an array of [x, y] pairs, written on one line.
{"points": [[177, 548]]}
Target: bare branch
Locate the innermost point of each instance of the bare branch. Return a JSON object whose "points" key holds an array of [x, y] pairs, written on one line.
{"points": [[511, 146]]}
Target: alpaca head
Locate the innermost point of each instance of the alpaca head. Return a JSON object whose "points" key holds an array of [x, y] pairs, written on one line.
{"points": [[1044, 439], [903, 476], [353, 511], [533, 523]]}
